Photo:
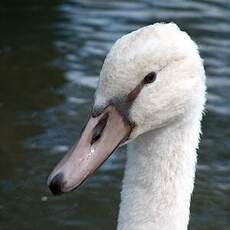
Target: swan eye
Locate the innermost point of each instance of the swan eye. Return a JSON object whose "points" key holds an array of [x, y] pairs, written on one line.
{"points": [[150, 77]]}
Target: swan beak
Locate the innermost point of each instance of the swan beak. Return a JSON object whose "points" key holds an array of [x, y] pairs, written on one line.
{"points": [[101, 136]]}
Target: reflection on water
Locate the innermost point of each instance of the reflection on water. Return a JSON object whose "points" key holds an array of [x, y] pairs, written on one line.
{"points": [[50, 58]]}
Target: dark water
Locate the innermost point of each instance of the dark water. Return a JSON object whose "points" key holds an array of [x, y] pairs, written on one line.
{"points": [[50, 59]]}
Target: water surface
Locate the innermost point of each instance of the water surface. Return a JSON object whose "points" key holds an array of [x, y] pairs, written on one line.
{"points": [[50, 59]]}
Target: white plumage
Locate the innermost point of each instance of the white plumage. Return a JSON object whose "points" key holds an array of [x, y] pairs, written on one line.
{"points": [[160, 169]]}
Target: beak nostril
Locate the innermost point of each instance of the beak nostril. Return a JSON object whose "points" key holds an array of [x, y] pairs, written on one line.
{"points": [[56, 184], [96, 136], [98, 130]]}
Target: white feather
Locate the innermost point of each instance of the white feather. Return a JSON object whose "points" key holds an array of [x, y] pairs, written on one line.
{"points": [[160, 170]]}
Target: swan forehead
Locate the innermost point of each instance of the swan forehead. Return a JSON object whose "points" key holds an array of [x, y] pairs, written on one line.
{"points": [[150, 48]]}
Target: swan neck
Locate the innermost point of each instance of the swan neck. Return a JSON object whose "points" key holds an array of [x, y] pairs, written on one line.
{"points": [[158, 180]]}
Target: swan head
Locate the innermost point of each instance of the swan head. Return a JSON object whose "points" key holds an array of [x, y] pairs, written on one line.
{"points": [[151, 78], [171, 58]]}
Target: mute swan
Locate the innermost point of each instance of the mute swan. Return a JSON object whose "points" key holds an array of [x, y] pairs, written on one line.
{"points": [[151, 94]]}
